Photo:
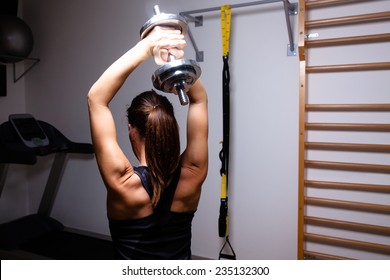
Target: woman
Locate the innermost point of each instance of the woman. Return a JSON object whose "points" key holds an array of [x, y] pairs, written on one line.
{"points": [[150, 207]]}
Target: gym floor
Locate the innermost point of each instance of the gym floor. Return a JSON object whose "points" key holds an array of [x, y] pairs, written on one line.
{"points": [[67, 245]]}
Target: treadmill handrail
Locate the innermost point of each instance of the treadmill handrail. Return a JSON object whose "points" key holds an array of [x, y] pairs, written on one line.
{"points": [[13, 150]]}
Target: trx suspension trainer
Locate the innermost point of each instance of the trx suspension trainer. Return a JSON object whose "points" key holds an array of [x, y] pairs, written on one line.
{"points": [[223, 221]]}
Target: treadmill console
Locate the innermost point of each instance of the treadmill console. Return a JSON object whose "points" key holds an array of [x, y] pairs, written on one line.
{"points": [[29, 130]]}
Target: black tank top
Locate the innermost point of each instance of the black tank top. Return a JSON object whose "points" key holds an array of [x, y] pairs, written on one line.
{"points": [[162, 235]]}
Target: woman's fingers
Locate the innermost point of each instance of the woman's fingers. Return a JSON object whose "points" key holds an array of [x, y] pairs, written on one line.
{"points": [[167, 40]]}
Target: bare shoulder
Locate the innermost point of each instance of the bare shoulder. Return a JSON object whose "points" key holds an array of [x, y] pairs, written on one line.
{"points": [[130, 200], [188, 189]]}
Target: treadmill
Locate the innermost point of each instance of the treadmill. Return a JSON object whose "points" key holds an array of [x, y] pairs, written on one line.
{"points": [[22, 140]]}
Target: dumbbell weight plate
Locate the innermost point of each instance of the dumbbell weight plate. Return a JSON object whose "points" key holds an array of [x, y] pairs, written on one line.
{"points": [[184, 72], [171, 20]]}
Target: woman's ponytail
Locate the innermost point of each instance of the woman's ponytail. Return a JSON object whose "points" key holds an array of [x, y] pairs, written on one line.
{"points": [[162, 149], [152, 114]]}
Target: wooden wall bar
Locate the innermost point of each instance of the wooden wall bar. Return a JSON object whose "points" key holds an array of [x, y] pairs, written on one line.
{"points": [[302, 119], [304, 184], [351, 205], [374, 229], [347, 186], [347, 20], [375, 38], [349, 243], [348, 67], [327, 3], [378, 148], [322, 256], [348, 107], [348, 166], [349, 126]]}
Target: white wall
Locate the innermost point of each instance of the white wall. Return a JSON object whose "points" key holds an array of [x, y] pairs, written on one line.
{"points": [[77, 40]]}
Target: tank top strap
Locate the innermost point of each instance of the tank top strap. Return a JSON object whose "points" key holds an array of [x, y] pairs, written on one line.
{"points": [[166, 200], [143, 174], [167, 197]]}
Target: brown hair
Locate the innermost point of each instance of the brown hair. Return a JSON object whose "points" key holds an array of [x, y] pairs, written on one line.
{"points": [[152, 114]]}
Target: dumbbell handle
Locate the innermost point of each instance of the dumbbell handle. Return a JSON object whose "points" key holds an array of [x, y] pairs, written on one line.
{"points": [[183, 97], [171, 57], [156, 9]]}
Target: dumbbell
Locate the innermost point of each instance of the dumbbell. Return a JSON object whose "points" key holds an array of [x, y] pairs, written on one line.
{"points": [[178, 75]]}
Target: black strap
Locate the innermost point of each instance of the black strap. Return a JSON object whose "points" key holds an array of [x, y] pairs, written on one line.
{"points": [[224, 157], [224, 153]]}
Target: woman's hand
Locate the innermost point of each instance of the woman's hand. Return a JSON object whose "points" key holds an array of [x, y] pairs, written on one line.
{"points": [[164, 41]]}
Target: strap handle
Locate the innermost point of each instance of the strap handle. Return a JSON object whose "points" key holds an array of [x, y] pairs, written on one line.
{"points": [[231, 256]]}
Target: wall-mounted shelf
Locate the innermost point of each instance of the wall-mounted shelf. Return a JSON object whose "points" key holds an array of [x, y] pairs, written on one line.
{"points": [[4, 59]]}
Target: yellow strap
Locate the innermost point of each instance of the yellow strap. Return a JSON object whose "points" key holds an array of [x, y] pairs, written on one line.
{"points": [[223, 186], [226, 13]]}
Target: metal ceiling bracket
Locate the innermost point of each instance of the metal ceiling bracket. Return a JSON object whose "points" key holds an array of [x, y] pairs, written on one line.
{"points": [[290, 9]]}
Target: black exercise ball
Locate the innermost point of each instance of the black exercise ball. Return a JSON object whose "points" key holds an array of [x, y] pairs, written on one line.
{"points": [[16, 39]]}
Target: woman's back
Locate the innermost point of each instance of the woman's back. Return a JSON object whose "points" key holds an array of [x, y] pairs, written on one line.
{"points": [[162, 235]]}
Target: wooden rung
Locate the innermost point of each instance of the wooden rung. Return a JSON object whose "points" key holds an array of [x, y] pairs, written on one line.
{"points": [[347, 20], [376, 148], [368, 228], [343, 242], [326, 3], [348, 40], [347, 186], [348, 67], [362, 167], [348, 126], [351, 205], [322, 256], [348, 107]]}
